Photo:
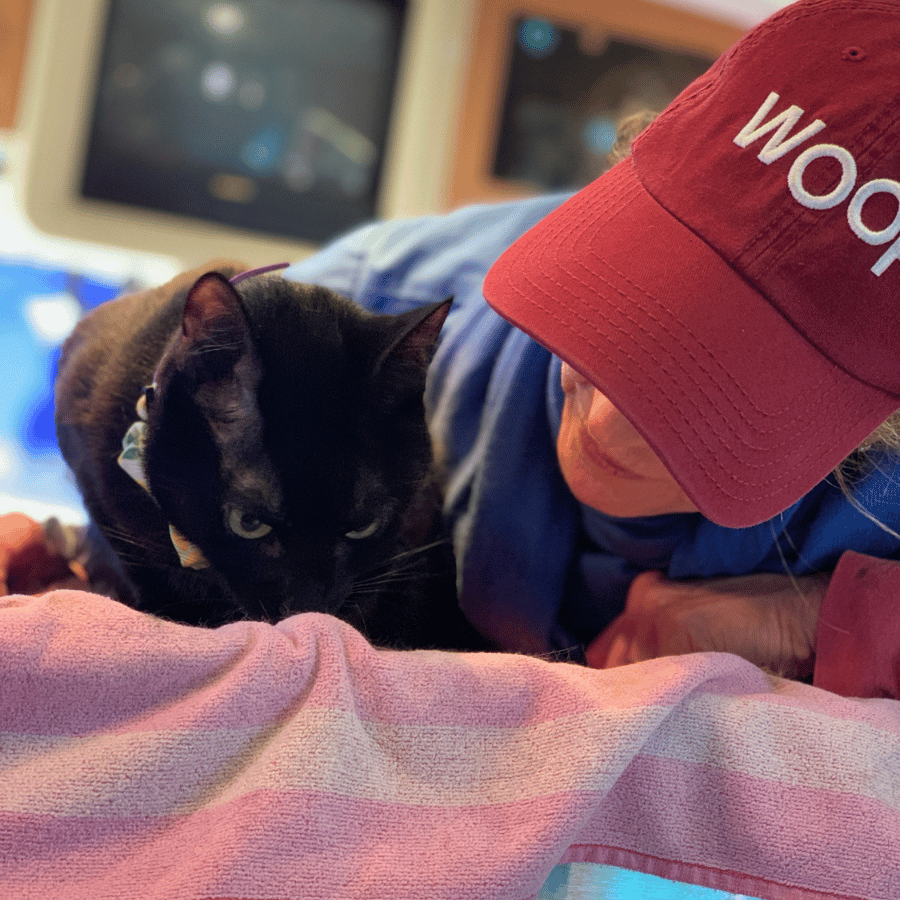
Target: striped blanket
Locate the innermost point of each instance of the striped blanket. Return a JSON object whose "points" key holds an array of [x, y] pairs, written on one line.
{"points": [[143, 759]]}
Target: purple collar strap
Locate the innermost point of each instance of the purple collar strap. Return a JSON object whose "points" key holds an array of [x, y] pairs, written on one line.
{"points": [[260, 271]]}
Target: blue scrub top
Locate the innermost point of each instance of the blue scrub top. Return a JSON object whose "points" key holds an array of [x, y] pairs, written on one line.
{"points": [[538, 571]]}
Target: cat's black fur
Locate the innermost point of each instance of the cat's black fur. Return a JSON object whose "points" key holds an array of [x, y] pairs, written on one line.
{"points": [[283, 411]]}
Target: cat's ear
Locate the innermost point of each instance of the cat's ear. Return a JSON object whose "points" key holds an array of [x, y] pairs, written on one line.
{"points": [[417, 335], [211, 307], [214, 330]]}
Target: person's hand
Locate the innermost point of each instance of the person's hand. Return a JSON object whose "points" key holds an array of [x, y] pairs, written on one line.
{"points": [[769, 619], [29, 564]]}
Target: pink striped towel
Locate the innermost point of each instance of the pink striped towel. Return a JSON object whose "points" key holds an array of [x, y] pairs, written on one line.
{"points": [[143, 759]]}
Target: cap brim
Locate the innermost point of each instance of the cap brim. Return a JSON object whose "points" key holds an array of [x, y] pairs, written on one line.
{"points": [[743, 410]]}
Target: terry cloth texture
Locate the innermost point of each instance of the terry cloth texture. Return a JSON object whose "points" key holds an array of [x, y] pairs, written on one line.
{"points": [[139, 758]]}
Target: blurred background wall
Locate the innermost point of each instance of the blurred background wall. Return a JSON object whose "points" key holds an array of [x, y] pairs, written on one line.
{"points": [[138, 138]]}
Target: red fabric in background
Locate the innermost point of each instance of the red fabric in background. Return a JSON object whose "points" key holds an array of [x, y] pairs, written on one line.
{"points": [[28, 564], [858, 642]]}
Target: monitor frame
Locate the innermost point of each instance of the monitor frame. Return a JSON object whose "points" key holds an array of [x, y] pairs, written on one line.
{"points": [[62, 66], [679, 26]]}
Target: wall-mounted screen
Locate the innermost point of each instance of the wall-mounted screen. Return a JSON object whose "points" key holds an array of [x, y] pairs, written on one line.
{"points": [[268, 115], [566, 91], [549, 82]]}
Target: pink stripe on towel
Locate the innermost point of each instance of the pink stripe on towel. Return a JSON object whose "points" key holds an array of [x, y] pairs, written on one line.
{"points": [[144, 759]]}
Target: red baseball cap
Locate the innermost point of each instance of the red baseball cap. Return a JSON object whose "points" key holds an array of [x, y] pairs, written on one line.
{"points": [[734, 286]]}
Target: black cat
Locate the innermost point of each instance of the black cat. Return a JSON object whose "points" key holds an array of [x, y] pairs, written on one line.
{"points": [[276, 457]]}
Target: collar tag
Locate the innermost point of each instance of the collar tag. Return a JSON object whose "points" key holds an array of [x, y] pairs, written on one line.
{"points": [[131, 460]]}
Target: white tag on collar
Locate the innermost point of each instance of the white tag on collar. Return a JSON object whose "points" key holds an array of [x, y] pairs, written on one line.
{"points": [[131, 459]]}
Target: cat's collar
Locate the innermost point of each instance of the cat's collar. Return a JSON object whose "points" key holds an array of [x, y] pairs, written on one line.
{"points": [[260, 271], [131, 459]]}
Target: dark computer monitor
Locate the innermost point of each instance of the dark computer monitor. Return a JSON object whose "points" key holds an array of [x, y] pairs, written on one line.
{"points": [[256, 128], [267, 115]]}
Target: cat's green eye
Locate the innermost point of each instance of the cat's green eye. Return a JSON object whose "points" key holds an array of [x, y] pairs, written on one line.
{"points": [[361, 534], [246, 525]]}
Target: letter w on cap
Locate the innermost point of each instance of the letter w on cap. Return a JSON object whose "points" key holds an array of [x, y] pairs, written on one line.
{"points": [[777, 146]]}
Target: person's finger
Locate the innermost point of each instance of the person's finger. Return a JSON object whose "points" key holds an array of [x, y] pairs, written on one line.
{"points": [[27, 564], [646, 592], [18, 532]]}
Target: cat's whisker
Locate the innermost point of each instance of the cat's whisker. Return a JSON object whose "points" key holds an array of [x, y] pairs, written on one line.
{"points": [[123, 537], [380, 586], [203, 351], [404, 554], [395, 577], [392, 577], [408, 561], [404, 574]]}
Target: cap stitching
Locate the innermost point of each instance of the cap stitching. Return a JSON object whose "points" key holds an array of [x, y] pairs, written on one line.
{"points": [[786, 476], [633, 191], [762, 241], [626, 194], [626, 314], [883, 123]]}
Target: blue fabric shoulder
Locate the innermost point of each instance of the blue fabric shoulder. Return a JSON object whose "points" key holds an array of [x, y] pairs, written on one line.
{"points": [[393, 265]]}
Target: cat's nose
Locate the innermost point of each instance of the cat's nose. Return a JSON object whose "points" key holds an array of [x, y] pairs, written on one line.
{"points": [[260, 608], [307, 594], [264, 602]]}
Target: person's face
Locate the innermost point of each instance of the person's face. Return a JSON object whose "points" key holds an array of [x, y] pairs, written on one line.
{"points": [[606, 463]]}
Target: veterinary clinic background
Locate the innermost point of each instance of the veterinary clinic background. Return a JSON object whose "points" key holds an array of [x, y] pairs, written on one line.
{"points": [[676, 438]]}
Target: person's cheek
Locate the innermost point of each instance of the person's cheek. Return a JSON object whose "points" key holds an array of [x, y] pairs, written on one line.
{"points": [[606, 462]]}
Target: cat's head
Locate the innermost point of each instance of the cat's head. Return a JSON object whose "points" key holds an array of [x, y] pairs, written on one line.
{"points": [[286, 436]]}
